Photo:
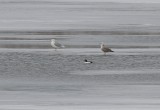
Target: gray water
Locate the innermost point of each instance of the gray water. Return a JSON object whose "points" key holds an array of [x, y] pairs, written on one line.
{"points": [[48, 79], [36, 77], [50, 64]]}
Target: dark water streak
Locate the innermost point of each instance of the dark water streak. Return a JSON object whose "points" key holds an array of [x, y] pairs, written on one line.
{"points": [[79, 32]]}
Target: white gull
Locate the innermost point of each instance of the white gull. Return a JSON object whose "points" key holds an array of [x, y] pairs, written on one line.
{"points": [[56, 44]]}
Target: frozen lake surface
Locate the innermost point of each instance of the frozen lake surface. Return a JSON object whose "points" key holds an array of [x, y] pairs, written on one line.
{"points": [[113, 15]]}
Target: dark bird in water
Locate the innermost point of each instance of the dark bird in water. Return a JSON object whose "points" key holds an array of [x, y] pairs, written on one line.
{"points": [[105, 49], [86, 61]]}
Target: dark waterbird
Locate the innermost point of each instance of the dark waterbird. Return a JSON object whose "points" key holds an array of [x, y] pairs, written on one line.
{"points": [[86, 61]]}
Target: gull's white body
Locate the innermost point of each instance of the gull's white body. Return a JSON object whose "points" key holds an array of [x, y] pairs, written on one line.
{"points": [[55, 44]]}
